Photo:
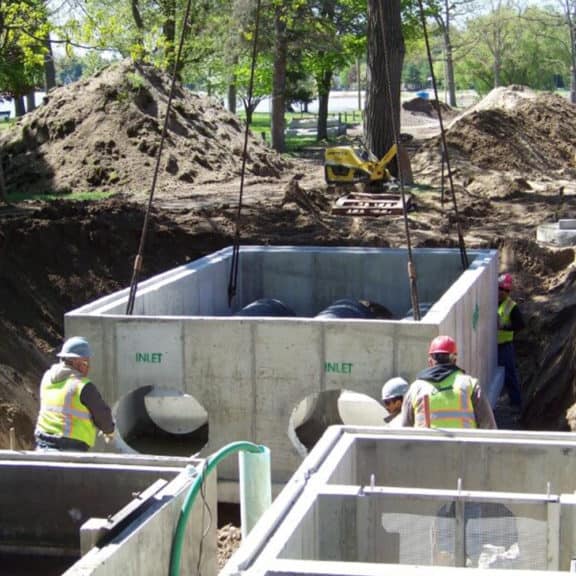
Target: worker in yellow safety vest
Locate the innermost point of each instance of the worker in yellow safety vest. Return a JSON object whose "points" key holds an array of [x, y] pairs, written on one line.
{"points": [[510, 321], [71, 408], [443, 396]]}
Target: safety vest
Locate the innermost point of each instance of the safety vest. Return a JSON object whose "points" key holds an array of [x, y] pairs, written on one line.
{"points": [[445, 404], [504, 311], [61, 412]]}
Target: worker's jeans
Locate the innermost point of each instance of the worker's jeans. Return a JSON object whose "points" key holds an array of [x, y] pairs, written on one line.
{"points": [[52, 443], [507, 359]]}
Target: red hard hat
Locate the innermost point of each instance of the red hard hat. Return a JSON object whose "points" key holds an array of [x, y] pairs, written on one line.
{"points": [[505, 282], [442, 345]]}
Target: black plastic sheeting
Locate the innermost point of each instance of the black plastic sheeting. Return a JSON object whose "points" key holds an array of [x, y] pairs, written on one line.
{"points": [[351, 308], [267, 307]]}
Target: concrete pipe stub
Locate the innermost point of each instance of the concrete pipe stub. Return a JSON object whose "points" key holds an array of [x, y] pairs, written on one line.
{"points": [[561, 233]]}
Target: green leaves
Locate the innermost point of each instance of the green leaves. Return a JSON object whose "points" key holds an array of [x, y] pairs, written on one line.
{"points": [[23, 31]]}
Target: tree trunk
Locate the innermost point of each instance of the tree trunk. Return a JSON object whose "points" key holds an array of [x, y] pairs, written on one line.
{"points": [[450, 81], [323, 83], [139, 41], [385, 58], [49, 68], [232, 95], [19, 108], [572, 24], [30, 101], [279, 80], [573, 85], [169, 33], [249, 111], [359, 86]]}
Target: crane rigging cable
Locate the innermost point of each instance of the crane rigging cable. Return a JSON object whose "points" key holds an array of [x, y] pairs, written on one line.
{"points": [[445, 154], [139, 257], [396, 135], [233, 277]]}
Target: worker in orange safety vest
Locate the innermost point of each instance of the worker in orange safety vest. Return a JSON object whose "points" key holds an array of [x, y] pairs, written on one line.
{"points": [[443, 396]]}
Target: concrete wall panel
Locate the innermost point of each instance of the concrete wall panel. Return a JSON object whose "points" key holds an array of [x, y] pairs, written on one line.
{"points": [[145, 546], [357, 355], [289, 277], [486, 463], [149, 355]]}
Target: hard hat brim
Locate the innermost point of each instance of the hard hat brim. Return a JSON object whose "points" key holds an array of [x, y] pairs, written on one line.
{"points": [[69, 355]]}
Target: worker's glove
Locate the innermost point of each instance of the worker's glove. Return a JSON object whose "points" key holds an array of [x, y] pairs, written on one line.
{"points": [[107, 437]]}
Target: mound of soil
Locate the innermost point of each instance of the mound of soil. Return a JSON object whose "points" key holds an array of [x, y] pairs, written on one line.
{"points": [[429, 108], [516, 130], [551, 384], [104, 133]]}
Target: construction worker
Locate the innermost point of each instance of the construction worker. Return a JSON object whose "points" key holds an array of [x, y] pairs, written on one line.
{"points": [[509, 321], [393, 393], [443, 396], [71, 408]]}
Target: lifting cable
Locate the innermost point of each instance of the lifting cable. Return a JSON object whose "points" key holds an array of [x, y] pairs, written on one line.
{"points": [[233, 277], [444, 145], [139, 257], [396, 134]]}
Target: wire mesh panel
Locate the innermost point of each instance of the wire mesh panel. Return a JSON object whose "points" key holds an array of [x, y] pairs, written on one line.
{"points": [[476, 534], [428, 528], [411, 533]]}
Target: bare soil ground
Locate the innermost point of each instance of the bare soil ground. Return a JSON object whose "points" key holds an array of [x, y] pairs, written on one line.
{"points": [[512, 158]]}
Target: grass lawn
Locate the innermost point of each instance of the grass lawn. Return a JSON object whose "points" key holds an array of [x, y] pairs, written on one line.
{"points": [[5, 124], [261, 127]]}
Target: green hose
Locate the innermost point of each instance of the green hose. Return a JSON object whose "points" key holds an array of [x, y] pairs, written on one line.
{"points": [[210, 463]]}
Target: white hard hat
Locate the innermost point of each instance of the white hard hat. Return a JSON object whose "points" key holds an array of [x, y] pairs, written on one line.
{"points": [[394, 387], [75, 347]]}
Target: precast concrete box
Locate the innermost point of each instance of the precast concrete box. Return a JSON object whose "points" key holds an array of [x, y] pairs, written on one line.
{"points": [[249, 373], [102, 515], [405, 501]]}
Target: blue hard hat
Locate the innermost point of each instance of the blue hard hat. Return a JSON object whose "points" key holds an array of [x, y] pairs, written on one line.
{"points": [[394, 388], [75, 347]]}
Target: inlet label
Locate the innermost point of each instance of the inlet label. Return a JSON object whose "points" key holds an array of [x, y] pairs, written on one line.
{"points": [[149, 357], [338, 367]]}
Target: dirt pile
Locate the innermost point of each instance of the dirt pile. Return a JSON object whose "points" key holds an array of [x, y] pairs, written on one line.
{"points": [[229, 540], [551, 368], [429, 108], [514, 129], [103, 133]]}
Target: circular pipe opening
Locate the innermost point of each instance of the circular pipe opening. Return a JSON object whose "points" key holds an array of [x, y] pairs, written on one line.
{"points": [[312, 416], [160, 421]]}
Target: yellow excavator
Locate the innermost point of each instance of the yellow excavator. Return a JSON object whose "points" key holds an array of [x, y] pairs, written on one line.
{"points": [[349, 165]]}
